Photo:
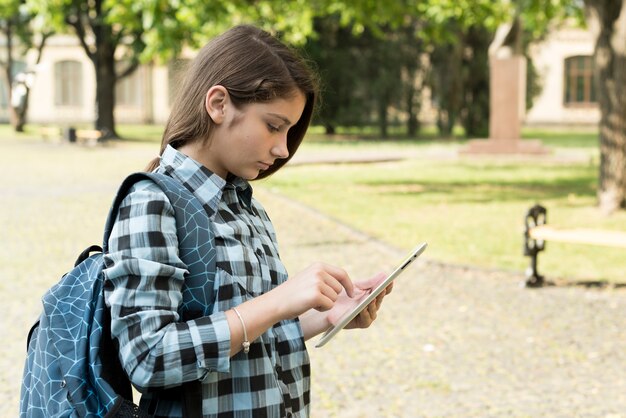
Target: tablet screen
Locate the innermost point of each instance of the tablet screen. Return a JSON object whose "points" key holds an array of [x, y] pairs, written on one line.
{"points": [[352, 313]]}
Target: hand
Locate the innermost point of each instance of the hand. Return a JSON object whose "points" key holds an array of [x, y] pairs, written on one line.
{"points": [[362, 289], [317, 287]]}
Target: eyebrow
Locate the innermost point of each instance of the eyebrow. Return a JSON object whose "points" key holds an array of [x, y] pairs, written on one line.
{"points": [[281, 117]]}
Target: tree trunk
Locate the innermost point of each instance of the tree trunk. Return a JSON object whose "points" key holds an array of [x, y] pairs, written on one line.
{"points": [[20, 114], [475, 116], [103, 58], [105, 92], [383, 120], [412, 105], [447, 85], [608, 18], [412, 122], [9, 69], [26, 83]]}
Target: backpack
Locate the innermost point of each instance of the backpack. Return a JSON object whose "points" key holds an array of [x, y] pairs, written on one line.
{"points": [[72, 367]]}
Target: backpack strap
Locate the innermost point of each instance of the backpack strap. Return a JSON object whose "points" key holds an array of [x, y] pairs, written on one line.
{"points": [[196, 250], [195, 240]]}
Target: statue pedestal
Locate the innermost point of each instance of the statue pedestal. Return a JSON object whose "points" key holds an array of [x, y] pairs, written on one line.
{"points": [[507, 109], [505, 146]]}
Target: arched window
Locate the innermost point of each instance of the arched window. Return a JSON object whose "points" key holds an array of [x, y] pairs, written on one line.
{"points": [[68, 80], [175, 72], [579, 83]]}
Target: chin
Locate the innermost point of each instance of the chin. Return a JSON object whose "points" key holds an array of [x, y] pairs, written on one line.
{"points": [[251, 175]]}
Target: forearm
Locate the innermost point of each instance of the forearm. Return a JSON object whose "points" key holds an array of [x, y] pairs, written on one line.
{"points": [[258, 315], [313, 323]]}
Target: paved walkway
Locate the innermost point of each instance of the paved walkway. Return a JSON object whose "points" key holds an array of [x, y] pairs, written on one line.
{"points": [[459, 342], [450, 341]]}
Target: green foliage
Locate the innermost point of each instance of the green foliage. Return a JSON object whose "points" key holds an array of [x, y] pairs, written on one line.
{"points": [[9, 8], [366, 74], [539, 16], [15, 21]]}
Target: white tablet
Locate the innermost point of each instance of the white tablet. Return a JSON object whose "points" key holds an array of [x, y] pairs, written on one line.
{"points": [[351, 314]]}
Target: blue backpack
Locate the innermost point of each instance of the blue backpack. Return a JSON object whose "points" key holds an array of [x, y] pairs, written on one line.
{"points": [[72, 367]]}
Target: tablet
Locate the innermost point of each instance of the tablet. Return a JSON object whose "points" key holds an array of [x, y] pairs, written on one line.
{"points": [[351, 314]]}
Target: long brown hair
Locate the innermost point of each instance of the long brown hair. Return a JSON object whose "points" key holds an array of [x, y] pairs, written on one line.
{"points": [[253, 66]]}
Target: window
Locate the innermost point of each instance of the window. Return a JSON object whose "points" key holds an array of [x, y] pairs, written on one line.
{"points": [[68, 79], [579, 84], [128, 91], [176, 72]]}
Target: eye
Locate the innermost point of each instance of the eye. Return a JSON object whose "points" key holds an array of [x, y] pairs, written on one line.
{"points": [[272, 128]]}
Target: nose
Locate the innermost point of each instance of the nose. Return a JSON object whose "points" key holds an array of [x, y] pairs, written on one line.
{"points": [[280, 150]]}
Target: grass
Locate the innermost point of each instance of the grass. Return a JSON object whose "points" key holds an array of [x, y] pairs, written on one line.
{"points": [[462, 209], [471, 211]]}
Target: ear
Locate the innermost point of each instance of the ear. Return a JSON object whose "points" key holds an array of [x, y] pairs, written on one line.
{"points": [[215, 103]]}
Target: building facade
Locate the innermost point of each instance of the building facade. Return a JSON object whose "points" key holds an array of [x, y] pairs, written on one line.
{"points": [[564, 62], [63, 89]]}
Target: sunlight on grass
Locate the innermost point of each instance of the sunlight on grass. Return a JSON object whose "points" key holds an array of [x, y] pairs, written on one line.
{"points": [[470, 212]]}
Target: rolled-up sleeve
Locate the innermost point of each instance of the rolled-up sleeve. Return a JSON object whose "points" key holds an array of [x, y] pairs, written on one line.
{"points": [[144, 277]]}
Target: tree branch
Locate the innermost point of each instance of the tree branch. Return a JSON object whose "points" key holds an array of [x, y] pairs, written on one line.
{"points": [[128, 70], [42, 43], [81, 33]]}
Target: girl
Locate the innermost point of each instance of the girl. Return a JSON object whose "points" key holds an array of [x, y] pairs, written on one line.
{"points": [[241, 113]]}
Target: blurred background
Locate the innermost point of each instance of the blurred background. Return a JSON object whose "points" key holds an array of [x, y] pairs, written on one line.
{"points": [[395, 152]]}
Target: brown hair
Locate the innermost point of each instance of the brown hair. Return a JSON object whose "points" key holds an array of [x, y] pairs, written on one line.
{"points": [[253, 66]]}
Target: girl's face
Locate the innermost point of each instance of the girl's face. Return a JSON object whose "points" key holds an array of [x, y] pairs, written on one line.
{"points": [[247, 141]]}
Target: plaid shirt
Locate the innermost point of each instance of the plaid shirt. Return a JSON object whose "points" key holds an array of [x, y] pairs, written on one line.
{"points": [[144, 281]]}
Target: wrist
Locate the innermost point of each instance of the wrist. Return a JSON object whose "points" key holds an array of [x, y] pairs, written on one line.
{"points": [[245, 345], [280, 300]]}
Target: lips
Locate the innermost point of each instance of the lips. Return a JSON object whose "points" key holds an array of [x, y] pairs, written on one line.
{"points": [[264, 166]]}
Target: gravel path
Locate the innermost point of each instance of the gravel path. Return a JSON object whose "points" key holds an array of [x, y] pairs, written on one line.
{"points": [[454, 341], [450, 341]]}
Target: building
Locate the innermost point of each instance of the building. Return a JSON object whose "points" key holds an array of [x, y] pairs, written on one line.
{"points": [[64, 85], [565, 65]]}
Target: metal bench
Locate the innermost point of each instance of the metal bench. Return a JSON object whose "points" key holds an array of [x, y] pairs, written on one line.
{"points": [[536, 233]]}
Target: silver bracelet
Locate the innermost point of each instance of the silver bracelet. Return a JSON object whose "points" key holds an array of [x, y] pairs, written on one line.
{"points": [[246, 343]]}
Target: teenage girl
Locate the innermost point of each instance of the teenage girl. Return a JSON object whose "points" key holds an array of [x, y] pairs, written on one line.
{"points": [[241, 114]]}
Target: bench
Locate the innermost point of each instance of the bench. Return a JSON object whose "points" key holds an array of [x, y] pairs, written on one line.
{"points": [[84, 136], [50, 132], [88, 136], [536, 233]]}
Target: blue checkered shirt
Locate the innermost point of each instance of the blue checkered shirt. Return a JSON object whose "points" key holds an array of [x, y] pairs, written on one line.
{"points": [[144, 280]]}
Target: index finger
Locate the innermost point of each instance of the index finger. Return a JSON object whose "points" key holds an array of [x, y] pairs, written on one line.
{"points": [[342, 277]]}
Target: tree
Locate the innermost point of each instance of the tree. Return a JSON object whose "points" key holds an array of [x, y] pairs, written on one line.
{"points": [[607, 19], [22, 32], [447, 84], [117, 35], [335, 51], [475, 64], [104, 29]]}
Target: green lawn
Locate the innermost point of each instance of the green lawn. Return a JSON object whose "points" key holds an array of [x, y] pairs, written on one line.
{"points": [[470, 210]]}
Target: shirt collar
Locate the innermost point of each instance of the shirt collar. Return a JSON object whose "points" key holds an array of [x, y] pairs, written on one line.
{"points": [[207, 186], [243, 189]]}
